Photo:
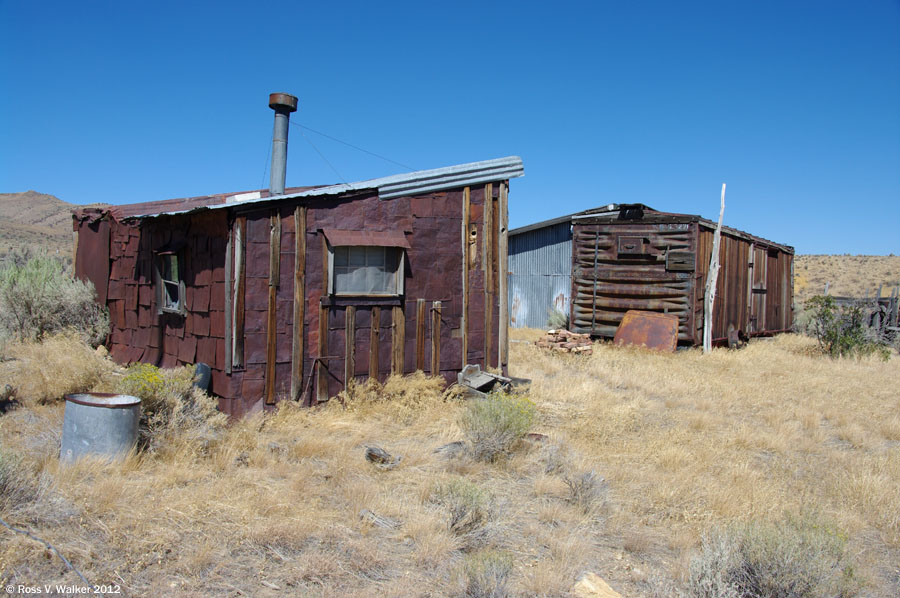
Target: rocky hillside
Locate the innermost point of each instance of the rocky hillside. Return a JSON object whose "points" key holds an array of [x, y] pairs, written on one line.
{"points": [[35, 221]]}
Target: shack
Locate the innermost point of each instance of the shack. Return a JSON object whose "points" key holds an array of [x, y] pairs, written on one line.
{"points": [[595, 265], [295, 293]]}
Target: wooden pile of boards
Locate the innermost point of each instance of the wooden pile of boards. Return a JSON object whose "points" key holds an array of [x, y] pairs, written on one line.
{"points": [[566, 342]]}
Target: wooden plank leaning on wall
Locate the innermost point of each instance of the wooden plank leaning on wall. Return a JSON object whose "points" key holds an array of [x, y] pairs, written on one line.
{"points": [[503, 349], [321, 369], [436, 338], [373, 343], [274, 277], [464, 318], [297, 331], [487, 266], [349, 345], [420, 334], [240, 283], [229, 294], [398, 338]]}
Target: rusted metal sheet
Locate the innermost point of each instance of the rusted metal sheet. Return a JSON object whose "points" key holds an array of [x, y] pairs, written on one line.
{"points": [[92, 259], [271, 276], [649, 330]]}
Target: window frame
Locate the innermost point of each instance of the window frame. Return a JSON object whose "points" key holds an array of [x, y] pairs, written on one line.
{"points": [[399, 274], [162, 303]]}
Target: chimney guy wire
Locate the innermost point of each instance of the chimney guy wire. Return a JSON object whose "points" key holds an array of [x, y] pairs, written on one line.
{"points": [[311, 130]]}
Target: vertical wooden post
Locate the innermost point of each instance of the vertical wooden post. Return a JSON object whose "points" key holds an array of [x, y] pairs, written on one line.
{"points": [[297, 333], [398, 337], [436, 338], [420, 334], [229, 293], [711, 279], [74, 249], [349, 345], [240, 283], [274, 277], [487, 266], [503, 267], [464, 318], [373, 343], [321, 372]]}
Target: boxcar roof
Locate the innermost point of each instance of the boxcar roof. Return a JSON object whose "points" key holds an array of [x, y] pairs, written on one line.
{"points": [[631, 213]]}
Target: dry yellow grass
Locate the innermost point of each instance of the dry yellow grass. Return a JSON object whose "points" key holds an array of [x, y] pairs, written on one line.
{"points": [[683, 441], [847, 275]]}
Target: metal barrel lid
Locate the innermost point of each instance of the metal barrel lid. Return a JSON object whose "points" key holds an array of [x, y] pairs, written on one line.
{"points": [[103, 399]]}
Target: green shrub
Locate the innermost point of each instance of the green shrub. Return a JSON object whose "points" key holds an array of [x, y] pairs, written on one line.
{"points": [[493, 424], [173, 411], [841, 330], [487, 574], [557, 319], [795, 558], [38, 298]]}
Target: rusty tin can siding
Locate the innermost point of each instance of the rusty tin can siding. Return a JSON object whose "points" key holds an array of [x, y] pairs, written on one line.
{"points": [[622, 266], [540, 274]]}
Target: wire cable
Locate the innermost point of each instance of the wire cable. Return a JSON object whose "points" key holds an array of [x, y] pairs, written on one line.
{"points": [[262, 185], [311, 130], [321, 155]]}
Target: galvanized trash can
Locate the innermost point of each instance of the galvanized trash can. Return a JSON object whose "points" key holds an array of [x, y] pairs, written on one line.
{"points": [[99, 423]]}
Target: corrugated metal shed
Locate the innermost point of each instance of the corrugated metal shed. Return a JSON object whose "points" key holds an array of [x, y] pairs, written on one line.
{"points": [[540, 279]]}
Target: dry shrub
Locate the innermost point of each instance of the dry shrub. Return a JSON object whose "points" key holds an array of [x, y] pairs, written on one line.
{"points": [[174, 414], [487, 574], [401, 399], [18, 486], [587, 491], [494, 424], [469, 507], [795, 558], [38, 298], [60, 365]]}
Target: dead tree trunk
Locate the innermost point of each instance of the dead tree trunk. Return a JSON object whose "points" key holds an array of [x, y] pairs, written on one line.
{"points": [[711, 279]]}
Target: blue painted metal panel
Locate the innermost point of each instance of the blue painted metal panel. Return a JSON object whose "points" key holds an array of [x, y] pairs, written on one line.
{"points": [[540, 280]]}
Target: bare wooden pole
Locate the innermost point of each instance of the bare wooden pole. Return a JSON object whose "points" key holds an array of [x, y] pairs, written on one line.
{"points": [[298, 344], [711, 280]]}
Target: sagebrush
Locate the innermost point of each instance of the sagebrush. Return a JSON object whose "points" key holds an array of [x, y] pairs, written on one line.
{"points": [[798, 557], [495, 423], [38, 298]]}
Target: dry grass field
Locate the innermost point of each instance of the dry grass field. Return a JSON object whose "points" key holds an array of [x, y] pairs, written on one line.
{"points": [[847, 275], [679, 445]]}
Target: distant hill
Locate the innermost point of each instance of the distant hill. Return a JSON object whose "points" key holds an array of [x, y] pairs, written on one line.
{"points": [[35, 221], [846, 275]]}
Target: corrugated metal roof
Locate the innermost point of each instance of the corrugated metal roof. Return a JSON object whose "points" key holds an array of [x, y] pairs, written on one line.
{"points": [[400, 185]]}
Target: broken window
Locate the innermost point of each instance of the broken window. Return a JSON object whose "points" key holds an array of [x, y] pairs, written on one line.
{"points": [[367, 270], [169, 283]]}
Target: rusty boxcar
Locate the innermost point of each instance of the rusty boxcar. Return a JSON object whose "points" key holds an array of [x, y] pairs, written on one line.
{"points": [[292, 293], [630, 256]]}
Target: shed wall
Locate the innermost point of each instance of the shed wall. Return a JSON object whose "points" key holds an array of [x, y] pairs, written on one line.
{"points": [[540, 275], [454, 259]]}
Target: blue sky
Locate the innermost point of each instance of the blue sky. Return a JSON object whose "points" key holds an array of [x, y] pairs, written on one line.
{"points": [[795, 105]]}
